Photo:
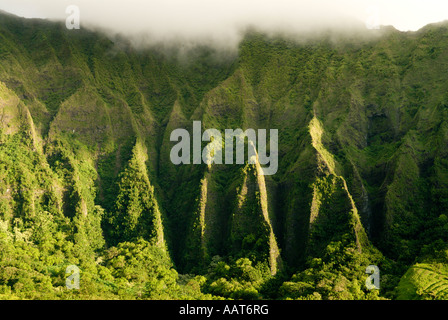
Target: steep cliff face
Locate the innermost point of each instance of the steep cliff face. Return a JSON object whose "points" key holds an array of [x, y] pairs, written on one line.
{"points": [[363, 136]]}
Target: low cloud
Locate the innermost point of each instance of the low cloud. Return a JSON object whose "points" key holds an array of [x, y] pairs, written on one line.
{"points": [[222, 22]]}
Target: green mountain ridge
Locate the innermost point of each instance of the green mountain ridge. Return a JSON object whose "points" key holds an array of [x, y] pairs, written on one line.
{"points": [[87, 180]]}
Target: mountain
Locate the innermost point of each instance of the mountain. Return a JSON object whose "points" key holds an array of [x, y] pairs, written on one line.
{"points": [[87, 178]]}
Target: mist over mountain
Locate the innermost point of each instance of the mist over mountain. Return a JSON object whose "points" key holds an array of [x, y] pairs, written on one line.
{"points": [[224, 23], [86, 177]]}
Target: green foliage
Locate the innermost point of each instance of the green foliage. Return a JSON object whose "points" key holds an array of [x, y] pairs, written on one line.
{"points": [[85, 123], [136, 213], [239, 280], [424, 282], [339, 274]]}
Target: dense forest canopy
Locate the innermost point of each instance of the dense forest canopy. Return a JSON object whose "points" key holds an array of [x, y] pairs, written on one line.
{"points": [[86, 177]]}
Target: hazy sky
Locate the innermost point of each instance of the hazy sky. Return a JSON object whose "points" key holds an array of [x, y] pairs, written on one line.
{"points": [[220, 18]]}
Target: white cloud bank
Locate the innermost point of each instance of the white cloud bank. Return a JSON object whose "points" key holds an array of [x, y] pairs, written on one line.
{"points": [[221, 19]]}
